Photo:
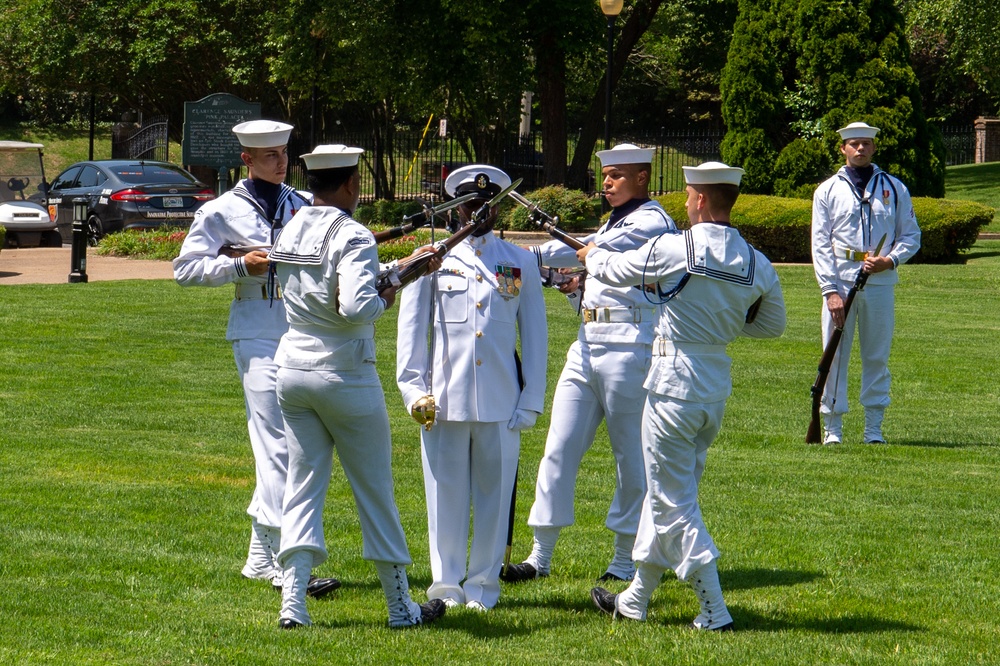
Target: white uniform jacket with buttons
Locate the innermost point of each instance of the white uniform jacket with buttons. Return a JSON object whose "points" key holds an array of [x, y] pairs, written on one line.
{"points": [[694, 327], [844, 221], [486, 293], [235, 218], [632, 231], [327, 263]]}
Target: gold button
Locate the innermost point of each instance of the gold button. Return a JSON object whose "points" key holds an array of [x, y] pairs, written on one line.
{"points": [[479, 334], [479, 305], [479, 361], [479, 278], [479, 253]]}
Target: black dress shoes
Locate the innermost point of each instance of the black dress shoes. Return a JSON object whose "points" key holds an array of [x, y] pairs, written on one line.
{"points": [[518, 573], [320, 587], [286, 623]]}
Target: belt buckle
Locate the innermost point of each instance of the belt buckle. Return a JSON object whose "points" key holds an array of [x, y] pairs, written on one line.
{"points": [[589, 315], [636, 315]]}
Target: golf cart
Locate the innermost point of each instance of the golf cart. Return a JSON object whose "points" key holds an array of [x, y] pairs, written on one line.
{"points": [[23, 189]]}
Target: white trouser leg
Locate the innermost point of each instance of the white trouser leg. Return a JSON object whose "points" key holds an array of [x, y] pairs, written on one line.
{"points": [[260, 562], [622, 564], [705, 583], [494, 447], [675, 438], [876, 323], [446, 454], [544, 543], [343, 410], [403, 611], [298, 567], [577, 410], [255, 363], [634, 601]]}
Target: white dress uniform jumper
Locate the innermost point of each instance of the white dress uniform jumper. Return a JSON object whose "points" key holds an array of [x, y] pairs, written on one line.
{"points": [[256, 323], [688, 383], [847, 224], [598, 382], [487, 292]]}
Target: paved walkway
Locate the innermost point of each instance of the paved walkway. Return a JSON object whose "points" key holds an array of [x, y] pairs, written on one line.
{"points": [[51, 265]]}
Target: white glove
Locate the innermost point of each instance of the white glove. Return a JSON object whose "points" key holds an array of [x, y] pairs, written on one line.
{"points": [[522, 419]]}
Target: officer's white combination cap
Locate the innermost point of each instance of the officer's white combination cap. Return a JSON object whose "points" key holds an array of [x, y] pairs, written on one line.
{"points": [[332, 156], [625, 153], [483, 179], [857, 131], [262, 133], [712, 173]]}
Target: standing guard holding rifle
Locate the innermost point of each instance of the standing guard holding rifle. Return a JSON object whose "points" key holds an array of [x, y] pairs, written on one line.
{"points": [[851, 212], [600, 377], [466, 388]]}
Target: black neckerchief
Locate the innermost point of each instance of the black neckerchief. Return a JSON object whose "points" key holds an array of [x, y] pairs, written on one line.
{"points": [[620, 212], [266, 195], [860, 176]]}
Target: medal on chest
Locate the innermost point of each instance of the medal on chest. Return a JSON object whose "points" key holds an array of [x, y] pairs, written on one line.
{"points": [[885, 197], [508, 280]]}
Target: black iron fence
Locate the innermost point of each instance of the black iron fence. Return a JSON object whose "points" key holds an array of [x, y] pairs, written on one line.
{"points": [[959, 144], [418, 163]]}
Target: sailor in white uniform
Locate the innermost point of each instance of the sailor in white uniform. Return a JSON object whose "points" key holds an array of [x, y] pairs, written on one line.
{"points": [[852, 213], [330, 393], [487, 293], [218, 250], [707, 279], [598, 381]]}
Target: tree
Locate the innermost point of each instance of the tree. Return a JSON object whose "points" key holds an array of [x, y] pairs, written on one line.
{"points": [[814, 66]]}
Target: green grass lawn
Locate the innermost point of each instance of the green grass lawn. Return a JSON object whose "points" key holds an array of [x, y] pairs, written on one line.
{"points": [[976, 182], [126, 472]]}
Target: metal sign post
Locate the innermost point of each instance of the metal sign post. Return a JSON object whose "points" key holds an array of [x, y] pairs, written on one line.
{"points": [[78, 254]]}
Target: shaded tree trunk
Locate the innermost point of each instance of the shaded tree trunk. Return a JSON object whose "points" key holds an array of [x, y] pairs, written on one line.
{"points": [[551, 59]]}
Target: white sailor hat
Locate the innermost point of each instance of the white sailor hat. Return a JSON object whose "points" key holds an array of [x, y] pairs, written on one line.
{"points": [[625, 153], [485, 180], [262, 133], [332, 156], [712, 173], [857, 131]]}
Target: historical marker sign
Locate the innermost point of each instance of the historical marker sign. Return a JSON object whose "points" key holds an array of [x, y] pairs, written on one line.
{"points": [[208, 130]]}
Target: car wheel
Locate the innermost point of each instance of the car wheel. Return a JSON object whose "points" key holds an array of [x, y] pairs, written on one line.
{"points": [[95, 230]]}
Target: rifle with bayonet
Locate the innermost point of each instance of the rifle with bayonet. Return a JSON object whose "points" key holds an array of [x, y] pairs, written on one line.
{"points": [[546, 222], [826, 360], [400, 276], [417, 220]]}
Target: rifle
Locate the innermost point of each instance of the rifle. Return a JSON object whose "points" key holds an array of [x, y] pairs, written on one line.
{"points": [[417, 220], [546, 222], [400, 277], [826, 360]]}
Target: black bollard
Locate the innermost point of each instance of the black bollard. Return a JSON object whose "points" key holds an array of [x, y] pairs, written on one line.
{"points": [[78, 257]]}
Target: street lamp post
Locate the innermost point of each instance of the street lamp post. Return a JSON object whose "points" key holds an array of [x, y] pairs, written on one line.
{"points": [[611, 9]]}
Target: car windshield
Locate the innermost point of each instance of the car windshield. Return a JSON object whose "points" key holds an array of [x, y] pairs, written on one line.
{"points": [[20, 174], [151, 173]]}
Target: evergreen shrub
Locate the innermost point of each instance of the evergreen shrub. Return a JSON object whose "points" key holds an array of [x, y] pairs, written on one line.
{"points": [[575, 210]]}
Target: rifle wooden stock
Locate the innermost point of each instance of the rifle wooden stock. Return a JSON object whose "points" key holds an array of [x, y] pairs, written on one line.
{"points": [[813, 434], [400, 277]]}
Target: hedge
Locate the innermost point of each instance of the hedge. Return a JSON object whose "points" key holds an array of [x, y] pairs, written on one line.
{"points": [[780, 227]]}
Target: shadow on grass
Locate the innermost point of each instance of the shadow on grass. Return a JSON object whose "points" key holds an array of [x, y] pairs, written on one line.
{"points": [[746, 620], [978, 255], [748, 579]]}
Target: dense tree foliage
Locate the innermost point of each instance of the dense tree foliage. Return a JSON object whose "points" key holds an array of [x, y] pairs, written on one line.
{"points": [[797, 71]]}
